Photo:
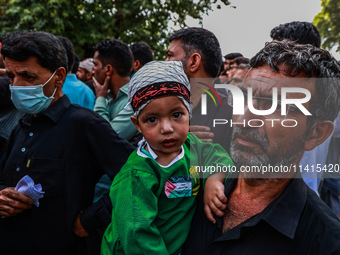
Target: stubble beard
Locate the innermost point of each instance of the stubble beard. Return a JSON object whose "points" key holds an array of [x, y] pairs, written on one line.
{"points": [[281, 155]]}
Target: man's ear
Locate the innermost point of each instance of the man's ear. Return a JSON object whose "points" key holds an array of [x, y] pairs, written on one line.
{"points": [[60, 77], [319, 133], [136, 123], [109, 70], [88, 75], [137, 65], [194, 62]]}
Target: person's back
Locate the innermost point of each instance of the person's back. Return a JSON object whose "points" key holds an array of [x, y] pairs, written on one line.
{"points": [[77, 91]]}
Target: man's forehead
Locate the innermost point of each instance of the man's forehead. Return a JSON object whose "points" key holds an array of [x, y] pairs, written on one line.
{"points": [[31, 65], [264, 78], [175, 44]]}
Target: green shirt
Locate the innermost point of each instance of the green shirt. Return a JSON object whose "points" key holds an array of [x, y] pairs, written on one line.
{"points": [[153, 206], [115, 113]]}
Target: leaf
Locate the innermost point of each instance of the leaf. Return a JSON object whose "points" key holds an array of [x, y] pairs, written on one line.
{"points": [[86, 22]]}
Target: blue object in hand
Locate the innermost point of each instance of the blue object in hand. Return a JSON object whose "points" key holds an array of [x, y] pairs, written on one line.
{"points": [[27, 187]]}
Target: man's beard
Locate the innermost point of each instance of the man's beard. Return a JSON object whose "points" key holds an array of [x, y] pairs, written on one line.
{"points": [[281, 155], [184, 61]]}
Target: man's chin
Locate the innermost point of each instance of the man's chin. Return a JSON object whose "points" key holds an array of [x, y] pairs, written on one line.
{"points": [[248, 157]]}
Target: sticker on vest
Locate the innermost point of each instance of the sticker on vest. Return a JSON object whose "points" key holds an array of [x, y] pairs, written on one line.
{"points": [[178, 187]]}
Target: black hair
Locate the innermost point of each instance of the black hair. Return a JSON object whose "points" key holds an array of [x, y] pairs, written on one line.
{"points": [[116, 53], [76, 64], [298, 31], [46, 47], [241, 60], [69, 51], [204, 42], [312, 61], [221, 71], [142, 52], [233, 55]]}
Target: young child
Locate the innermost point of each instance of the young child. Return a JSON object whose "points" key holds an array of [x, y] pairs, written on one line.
{"points": [[154, 194]]}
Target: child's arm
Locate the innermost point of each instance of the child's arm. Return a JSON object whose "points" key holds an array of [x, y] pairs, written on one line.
{"points": [[214, 198]]}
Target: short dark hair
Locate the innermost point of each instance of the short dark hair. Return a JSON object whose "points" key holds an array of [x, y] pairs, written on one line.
{"points": [[142, 52], [233, 55], [116, 53], [314, 62], [46, 47], [298, 31], [204, 42], [69, 51], [241, 60], [76, 64]]}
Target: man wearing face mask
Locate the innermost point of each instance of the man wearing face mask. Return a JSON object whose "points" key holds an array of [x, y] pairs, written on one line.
{"points": [[58, 145]]}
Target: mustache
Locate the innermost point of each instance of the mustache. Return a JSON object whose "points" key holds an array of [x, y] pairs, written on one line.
{"points": [[250, 134]]}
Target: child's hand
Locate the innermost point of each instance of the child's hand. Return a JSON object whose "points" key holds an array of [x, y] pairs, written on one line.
{"points": [[214, 198]]}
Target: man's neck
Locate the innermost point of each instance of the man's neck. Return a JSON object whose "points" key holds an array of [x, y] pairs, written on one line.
{"points": [[196, 91], [117, 84], [250, 197], [264, 190]]}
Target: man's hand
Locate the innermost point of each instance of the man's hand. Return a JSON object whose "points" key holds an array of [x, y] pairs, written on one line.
{"points": [[101, 90], [78, 228], [203, 133], [214, 198], [13, 202]]}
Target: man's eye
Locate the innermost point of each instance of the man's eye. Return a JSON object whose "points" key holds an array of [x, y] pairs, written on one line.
{"points": [[177, 115], [267, 104], [152, 120]]}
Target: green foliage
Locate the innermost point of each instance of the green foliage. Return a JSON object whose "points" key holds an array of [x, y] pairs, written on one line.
{"points": [[86, 22], [328, 23]]}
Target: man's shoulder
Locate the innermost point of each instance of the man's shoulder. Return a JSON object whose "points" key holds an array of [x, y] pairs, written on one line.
{"points": [[77, 113], [315, 207], [318, 226], [125, 88], [72, 84]]}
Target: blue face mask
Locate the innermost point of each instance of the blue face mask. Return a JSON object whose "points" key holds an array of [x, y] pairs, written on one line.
{"points": [[31, 99]]}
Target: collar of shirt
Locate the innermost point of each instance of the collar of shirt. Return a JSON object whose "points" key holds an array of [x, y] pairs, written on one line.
{"points": [[54, 112], [123, 91], [71, 77], [282, 214], [151, 154]]}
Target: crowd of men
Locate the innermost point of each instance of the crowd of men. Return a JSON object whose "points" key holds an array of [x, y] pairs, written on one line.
{"points": [[71, 132]]}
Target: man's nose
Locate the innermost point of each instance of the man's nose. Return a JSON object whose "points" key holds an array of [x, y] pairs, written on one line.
{"points": [[16, 81]]}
